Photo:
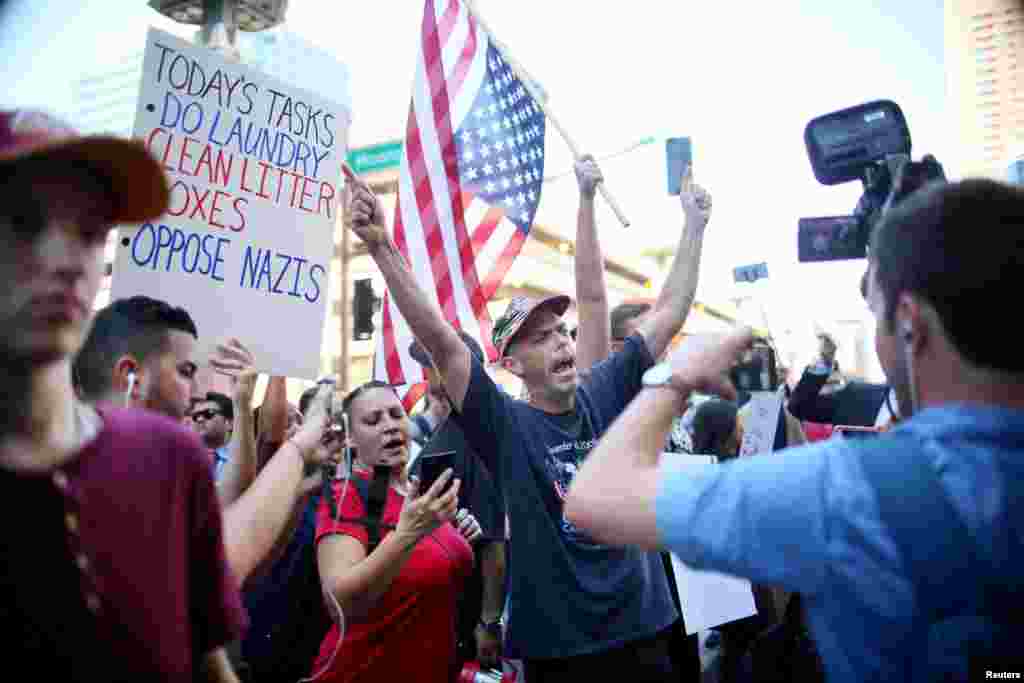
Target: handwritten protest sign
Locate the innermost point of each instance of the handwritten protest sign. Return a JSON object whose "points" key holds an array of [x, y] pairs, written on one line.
{"points": [[254, 166], [708, 599]]}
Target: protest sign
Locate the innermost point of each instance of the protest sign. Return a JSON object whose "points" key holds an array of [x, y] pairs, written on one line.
{"points": [[253, 165], [708, 599]]}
